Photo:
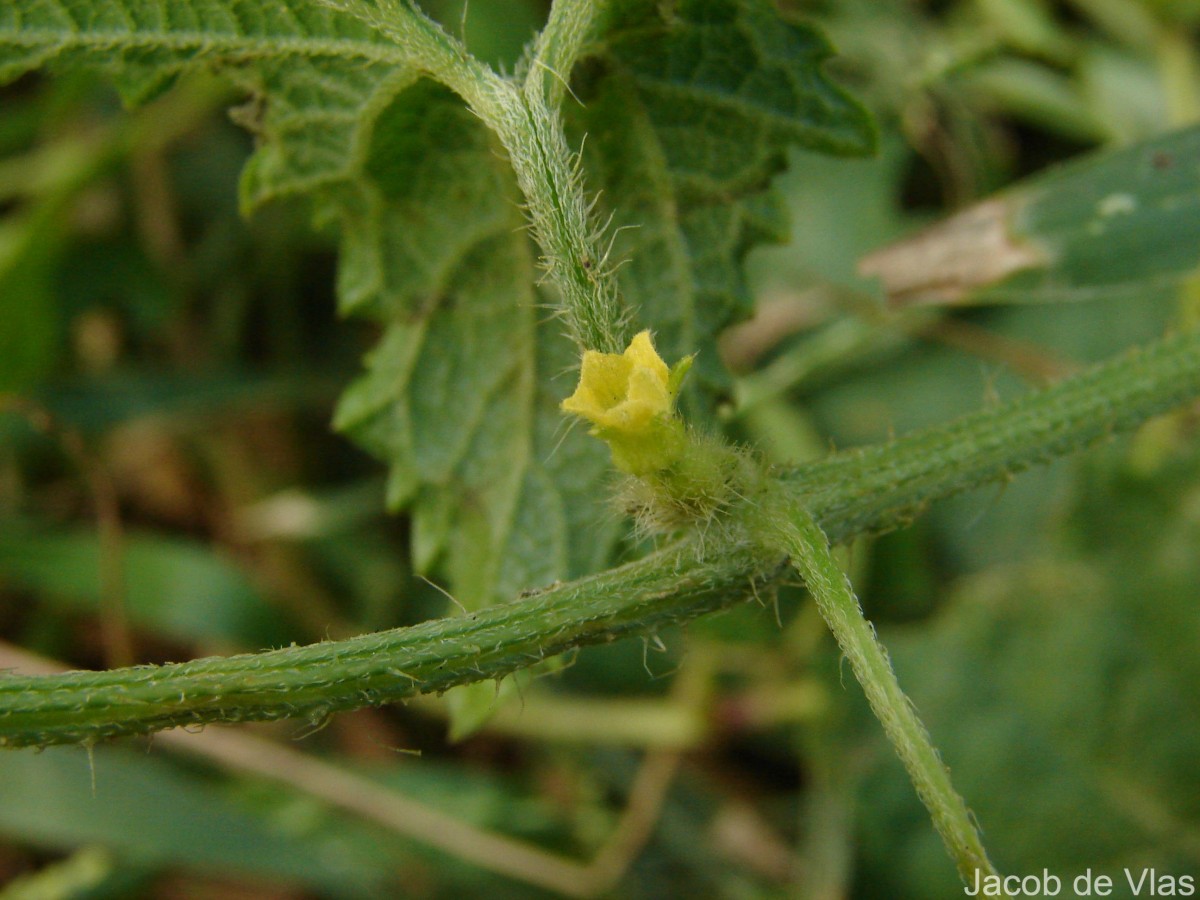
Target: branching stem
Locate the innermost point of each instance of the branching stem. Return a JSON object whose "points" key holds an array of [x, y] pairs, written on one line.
{"points": [[847, 494], [782, 519], [793, 530], [525, 119]]}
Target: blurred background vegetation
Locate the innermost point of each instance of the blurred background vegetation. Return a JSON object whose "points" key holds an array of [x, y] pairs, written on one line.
{"points": [[170, 488]]}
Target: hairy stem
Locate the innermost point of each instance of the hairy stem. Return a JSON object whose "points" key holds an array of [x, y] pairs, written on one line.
{"points": [[425, 46], [995, 444], [558, 46], [849, 493], [525, 120], [312, 681], [549, 177], [794, 531]]}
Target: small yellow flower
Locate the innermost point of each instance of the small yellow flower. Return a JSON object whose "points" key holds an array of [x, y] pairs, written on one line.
{"points": [[630, 399]]}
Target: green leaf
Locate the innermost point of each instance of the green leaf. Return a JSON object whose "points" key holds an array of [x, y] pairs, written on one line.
{"points": [[688, 111], [461, 395], [172, 587], [152, 814], [472, 705], [1115, 222], [315, 75], [1129, 218]]}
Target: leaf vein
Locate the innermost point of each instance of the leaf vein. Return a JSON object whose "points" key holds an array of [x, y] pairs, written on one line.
{"points": [[251, 47]]}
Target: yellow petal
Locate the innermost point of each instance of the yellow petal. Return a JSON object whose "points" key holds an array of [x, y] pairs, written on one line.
{"points": [[603, 379], [606, 375], [641, 352], [646, 388], [629, 398]]}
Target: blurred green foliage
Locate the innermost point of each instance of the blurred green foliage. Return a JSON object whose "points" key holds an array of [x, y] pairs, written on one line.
{"points": [[159, 347]]}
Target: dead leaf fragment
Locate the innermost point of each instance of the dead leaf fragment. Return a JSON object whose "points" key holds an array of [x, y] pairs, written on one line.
{"points": [[947, 262]]}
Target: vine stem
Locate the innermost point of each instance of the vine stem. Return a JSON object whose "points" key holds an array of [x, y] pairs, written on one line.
{"points": [[850, 493], [558, 46], [525, 120], [793, 530]]}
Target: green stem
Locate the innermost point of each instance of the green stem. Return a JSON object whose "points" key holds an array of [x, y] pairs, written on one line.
{"points": [[313, 681], [558, 47], [994, 444], [850, 493], [525, 119], [549, 177], [426, 47], [794, 531]]}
